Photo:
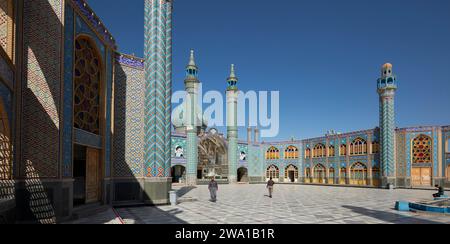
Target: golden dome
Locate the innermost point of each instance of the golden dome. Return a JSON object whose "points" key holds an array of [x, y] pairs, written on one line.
{"points": [[387, 66]]}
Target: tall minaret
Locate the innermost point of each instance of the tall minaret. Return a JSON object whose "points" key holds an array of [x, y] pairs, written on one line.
{"points": [[387, 85], [158, 96], [192, 88], [232, 129]]}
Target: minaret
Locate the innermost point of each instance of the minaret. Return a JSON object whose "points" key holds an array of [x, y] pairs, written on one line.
{"points": [[158, 96], [192, 88], [232, 100], [387, 85]]}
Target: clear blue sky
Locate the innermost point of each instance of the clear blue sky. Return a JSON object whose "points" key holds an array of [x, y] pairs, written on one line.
{"points": [[324, 56]]}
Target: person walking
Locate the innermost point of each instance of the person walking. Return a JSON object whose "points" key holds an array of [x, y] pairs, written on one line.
{"points": [[270, 185], [213, 188]]}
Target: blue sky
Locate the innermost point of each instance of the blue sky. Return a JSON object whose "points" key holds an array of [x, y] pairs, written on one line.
{"points": [[324, 56]]}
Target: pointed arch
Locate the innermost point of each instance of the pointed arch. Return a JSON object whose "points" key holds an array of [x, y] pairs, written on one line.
{"points": [[291, 173], [358, 174], [273, 153], [88, 76], [343, 150], [331, 151], [273, 172], [422, 149], [320, 172], [291, 152], [319, 151], [358, 147], [307, 153]]}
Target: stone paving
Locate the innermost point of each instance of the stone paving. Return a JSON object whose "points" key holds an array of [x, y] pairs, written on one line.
{"points": [[292, 204]]}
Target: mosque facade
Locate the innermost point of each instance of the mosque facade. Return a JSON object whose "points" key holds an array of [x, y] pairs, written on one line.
{"points": [[83, 125]]}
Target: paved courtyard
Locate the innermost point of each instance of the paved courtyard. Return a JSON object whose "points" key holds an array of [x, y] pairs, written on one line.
{"points": [[292, 204]]}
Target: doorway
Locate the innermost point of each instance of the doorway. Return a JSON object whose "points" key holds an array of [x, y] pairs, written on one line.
{"points": [[242, 175], [87, 175], [178, 173], [421, 176]]}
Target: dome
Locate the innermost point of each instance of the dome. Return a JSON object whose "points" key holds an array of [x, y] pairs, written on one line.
{"points": [[179, 121], [386, 70], [387, 66]]}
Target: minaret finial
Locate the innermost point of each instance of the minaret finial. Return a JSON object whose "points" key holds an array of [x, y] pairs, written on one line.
{"points": [[232, 73], [192, 58]]}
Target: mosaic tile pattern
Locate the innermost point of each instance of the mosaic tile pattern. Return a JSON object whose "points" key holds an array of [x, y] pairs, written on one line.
{"points": [[69, 37], [129, 96], [158, 83], [42, 86]]}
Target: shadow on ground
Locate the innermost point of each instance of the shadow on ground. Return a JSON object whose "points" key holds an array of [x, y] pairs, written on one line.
{"points": [[389, 217]]}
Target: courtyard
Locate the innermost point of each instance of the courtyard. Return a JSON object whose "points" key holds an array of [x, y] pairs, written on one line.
{"points": [[291, 204]]}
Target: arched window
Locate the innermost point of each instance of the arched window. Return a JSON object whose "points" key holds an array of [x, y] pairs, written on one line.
{"points": [[319, 151], [319, 174], [273, 172], [343, 150], [308, 153], [358, 147], [273, 153], [375, 147], [291, 153], [87, 79], [5, 145], [358, 174], [422, 149], [331, 151]]}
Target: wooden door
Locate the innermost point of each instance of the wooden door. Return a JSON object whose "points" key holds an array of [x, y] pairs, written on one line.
{"points": [[426, 176], [448, 173], [421, 176], [92, 175]]}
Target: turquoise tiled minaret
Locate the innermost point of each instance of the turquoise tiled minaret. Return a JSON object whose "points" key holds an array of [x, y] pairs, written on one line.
{"points": [[387, 86], [191, 119], [158, 87], [232, 129]]}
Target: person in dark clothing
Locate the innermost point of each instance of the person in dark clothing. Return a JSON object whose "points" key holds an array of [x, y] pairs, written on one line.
{"points": [[270, 185], [213, 187], [440, 193]]}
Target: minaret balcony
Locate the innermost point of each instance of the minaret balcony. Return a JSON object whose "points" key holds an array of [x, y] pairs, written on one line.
{"points": [[387, 83]]}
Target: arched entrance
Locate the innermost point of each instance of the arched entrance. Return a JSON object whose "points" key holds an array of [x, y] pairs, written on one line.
{"points": [[242, 174], [178, 173], [358, 174], [319, 174], [212, 153], [422, 158], [376, 176], [88, 107], [343, 176], [5, 145], [291, 173], [308, 175], [331, 176], [273, 172]]}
